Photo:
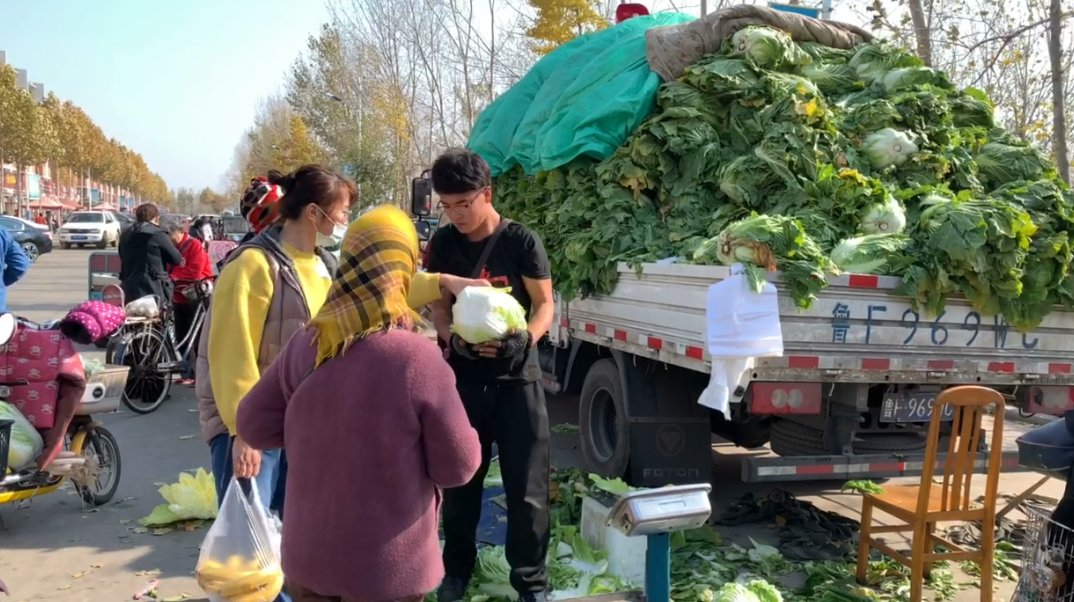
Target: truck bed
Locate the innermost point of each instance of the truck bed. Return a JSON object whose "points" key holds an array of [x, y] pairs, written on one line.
{"points": [[858, 330]]}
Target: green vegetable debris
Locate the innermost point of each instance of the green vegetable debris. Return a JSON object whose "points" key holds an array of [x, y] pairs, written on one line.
{"points": [[862, 486], [704, 568], [808, 160]]}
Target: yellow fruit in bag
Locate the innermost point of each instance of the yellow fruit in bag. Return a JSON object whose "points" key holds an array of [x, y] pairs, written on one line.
{"points": [[240, 580]]}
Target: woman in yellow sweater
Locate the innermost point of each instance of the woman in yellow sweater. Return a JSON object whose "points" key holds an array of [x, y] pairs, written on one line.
{"points": [[268, 290]]}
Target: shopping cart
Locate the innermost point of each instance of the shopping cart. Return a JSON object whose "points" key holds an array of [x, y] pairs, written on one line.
{"points": [[1047, 561]]}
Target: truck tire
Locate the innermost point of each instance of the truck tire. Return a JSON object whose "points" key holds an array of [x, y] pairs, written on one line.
{"points": [[603, 421], [793, 439]]}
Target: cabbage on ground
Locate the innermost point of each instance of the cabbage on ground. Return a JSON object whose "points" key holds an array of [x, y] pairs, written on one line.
{"points": [[842, 144], [192, 497]]}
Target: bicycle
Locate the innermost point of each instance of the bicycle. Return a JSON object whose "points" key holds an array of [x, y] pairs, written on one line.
{"points": [[149, 348]]}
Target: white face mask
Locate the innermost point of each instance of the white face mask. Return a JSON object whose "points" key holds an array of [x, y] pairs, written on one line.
{"points": [[336, 237]]}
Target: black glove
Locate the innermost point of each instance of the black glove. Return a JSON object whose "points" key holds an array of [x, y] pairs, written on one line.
{"points": [[515, 344], [461, 348]]}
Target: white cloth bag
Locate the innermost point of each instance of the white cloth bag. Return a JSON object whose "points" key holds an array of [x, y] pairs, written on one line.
{"points": [[740, 325]]}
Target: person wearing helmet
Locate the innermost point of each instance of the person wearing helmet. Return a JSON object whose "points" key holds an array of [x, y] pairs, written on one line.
{"points": [[259, 205]]}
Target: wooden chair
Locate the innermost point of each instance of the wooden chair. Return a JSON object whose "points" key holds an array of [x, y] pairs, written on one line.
{"points": [[920, 507]]}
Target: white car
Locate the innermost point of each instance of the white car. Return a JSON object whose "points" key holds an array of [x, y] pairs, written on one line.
{"points": [[99, 228]]}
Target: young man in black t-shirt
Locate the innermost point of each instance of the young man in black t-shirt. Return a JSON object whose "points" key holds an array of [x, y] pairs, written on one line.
{"points": [[499, 382]]}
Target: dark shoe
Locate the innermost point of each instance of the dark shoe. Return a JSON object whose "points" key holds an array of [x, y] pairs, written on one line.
{"points": [[541, 596], [452, 589]]}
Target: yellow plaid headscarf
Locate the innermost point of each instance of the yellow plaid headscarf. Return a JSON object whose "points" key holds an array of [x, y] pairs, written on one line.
{"points": [[369, 294]]}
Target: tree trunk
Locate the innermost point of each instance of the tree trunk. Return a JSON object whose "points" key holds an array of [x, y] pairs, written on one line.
{"points": [[921, 31], [1059, 125], [19, 175]]}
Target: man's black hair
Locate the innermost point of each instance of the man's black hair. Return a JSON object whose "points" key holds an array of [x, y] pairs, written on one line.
{"points": [[459, 171]]}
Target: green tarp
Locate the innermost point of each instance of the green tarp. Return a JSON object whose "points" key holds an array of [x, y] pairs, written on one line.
{"points": [[582, 99]]}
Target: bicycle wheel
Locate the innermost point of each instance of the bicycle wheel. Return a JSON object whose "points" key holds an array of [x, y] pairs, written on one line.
{"points": [[144, 351], [98, 482]]}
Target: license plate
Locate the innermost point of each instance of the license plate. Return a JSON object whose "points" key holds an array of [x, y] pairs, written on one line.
{"points": [[79, 237], [911, 407]]}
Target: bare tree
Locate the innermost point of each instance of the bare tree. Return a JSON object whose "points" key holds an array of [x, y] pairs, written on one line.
{"points": [[922, 30], [1055, 54]]}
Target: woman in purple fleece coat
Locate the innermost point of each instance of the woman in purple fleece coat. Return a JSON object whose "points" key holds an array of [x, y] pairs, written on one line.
{"points": [[373, 428]]}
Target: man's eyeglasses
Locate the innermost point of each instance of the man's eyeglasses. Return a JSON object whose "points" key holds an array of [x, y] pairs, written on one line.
{"points": [[461, 205]]}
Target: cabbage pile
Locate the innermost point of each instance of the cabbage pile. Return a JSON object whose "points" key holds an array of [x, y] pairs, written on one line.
{"points": [[872, 161]]}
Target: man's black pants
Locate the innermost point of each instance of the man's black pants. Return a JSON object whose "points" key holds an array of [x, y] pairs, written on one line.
{"points": [[513, 416]]}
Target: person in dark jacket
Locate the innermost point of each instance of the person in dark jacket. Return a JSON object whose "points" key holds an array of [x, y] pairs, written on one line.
{"points": [[13, 265], [146, 254]]}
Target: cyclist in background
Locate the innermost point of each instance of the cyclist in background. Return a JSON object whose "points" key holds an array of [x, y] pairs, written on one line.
{"points": [[196, 267], [201, 231], [146, 254]]}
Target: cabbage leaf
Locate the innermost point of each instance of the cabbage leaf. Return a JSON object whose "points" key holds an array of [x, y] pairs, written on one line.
{"points": [[191, 497]]}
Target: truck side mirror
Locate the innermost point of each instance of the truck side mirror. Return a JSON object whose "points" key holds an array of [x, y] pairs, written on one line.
{"points": [[425, 229], [421, 196]]}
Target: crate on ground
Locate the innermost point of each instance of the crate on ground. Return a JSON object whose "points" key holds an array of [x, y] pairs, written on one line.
{"points": [[1047, 559], [104, 390]]}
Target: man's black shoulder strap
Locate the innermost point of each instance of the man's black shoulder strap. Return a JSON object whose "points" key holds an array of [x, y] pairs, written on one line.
{"points": [[489, 246]]}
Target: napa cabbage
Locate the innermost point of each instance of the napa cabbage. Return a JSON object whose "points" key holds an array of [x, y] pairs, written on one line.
{"points": [[869, 254], [483, 314], [888, 147]]}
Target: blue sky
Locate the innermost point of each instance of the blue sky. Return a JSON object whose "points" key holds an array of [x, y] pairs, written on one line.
{"points": [[176, 81]]}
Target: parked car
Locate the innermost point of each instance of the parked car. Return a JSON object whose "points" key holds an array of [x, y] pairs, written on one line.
{"points": [[231, 227], [100, 228], [34, 239]]}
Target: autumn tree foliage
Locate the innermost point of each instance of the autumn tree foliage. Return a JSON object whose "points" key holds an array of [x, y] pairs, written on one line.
{"points": [[560, 21]]}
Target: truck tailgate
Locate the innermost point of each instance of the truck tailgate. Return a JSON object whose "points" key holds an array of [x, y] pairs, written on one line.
{"points": [[856, 327]]}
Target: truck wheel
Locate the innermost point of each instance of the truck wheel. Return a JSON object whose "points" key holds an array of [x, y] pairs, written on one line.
{"points": [[602, 417], [794, 439]]}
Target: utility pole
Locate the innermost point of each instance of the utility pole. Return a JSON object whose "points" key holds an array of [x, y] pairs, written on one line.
{"points": [[704, 8]]}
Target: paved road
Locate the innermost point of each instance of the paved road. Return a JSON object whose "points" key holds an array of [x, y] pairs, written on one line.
{"points": [[55, 548]]}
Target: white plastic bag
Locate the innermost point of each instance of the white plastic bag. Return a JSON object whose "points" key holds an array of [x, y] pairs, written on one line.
{"points": [[483, 314], [145, 307], [725, 384], [240, 557], [26, 443], [740, 325], [740, 322]]}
